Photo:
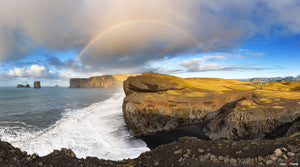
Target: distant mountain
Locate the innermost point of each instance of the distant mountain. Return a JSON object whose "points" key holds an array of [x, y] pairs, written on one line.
{"points": [[276, 79]]}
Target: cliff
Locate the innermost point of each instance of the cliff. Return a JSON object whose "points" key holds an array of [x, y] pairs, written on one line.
{"points": [[229, 109], [104, 81]]}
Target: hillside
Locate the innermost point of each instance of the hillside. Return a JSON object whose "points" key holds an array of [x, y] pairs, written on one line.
{"points": [[230, 109]]}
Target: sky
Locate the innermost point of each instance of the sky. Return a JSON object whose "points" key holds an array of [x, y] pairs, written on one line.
{"points": [[54, 40]]}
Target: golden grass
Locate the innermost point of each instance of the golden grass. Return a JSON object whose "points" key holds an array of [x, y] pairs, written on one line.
{"points": [[266, 100], [278, 107], [123, 77], [279, 94], [216, 84], [248, 104], [199, 87]]}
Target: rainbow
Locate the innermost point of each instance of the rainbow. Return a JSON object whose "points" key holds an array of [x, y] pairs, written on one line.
{"points": [[123, 24]]}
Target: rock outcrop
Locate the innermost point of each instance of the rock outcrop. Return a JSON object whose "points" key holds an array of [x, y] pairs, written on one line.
{"points": [[104, 81], [187, 151], [231, 109], [37, 84], [23, 86]]}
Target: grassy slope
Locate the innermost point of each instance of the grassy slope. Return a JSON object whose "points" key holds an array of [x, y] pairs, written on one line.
{"points": [[123, 77], [271, 93]]}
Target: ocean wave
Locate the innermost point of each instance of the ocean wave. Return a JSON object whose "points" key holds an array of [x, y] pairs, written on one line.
{"points": [[97, 130]]}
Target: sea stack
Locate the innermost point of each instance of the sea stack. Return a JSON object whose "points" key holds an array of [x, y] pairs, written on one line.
{"points": [[37, 84], [23, 86]]}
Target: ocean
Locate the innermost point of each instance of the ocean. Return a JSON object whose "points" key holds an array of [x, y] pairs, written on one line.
{"points": [[88, 121]]}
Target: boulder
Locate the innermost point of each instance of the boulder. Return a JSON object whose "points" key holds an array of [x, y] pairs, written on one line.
{"points": [[231, 109]]}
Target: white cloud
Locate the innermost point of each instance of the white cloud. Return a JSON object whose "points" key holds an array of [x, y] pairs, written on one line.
{"points": [[17, 72], [34, 71], [205, 63], [200, 64]]}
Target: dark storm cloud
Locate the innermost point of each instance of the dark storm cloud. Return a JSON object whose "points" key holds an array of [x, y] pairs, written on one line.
{"points": [[58, 64]]}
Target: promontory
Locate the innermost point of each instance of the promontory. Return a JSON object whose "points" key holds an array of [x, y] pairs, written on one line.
{"points": [[103, 81], [229, 109]]}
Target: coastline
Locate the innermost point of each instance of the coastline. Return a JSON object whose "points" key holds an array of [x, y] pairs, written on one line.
{"points": [[171, 146], [95, 129], [187, 151]]}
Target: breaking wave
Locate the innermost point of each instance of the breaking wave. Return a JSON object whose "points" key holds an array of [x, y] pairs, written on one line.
{"points": [[98, 130]]}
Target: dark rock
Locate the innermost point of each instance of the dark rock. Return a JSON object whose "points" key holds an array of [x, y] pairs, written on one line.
{"points": [[161, 156], [294, 129], [157, 103], [23, 86], [150, 105]]}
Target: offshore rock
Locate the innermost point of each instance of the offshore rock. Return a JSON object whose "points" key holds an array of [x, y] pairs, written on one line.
{"points": [[23, 86], [37, 84], [232, 109]]}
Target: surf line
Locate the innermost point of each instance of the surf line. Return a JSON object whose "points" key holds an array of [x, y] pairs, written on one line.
{"points": [[118, 26]]}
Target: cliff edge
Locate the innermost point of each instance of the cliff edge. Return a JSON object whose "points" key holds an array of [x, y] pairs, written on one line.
{"points": [[104, 81], [229, 109]]}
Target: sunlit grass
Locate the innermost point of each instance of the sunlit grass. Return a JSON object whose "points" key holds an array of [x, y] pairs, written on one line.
{"points": [[272, 92], [123, 77]]}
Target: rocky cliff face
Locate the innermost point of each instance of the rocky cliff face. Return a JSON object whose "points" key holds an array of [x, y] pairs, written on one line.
{"points": [[104, 81], [231, 109]]}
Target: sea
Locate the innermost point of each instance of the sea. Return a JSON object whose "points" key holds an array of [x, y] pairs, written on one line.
{"points": [[88, 121]]}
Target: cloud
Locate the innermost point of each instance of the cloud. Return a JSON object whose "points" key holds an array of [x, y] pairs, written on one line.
{"points": [[201, 65], [58, 64], [174, 27], [239, 56], [34, 71]]}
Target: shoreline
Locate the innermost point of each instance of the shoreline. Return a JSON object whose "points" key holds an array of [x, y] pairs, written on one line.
{"points": [[187, 151]]}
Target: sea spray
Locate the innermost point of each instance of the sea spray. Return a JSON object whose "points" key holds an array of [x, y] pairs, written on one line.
{"points": [[97, 130]]}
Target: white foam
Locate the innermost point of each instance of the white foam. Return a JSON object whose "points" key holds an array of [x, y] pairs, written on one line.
{"points": [[97, 130]]}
